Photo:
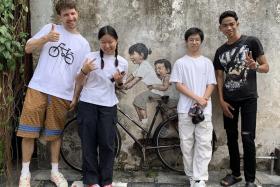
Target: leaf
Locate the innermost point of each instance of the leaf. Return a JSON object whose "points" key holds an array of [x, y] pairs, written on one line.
{"points": [[16, 44], [1, 7], [12, 6], [2, 40], [23, 35], [1, 68], [7, 55], [3, 29], [1, 48], [8, 46], [25, 9], [18, 55], [11, 16], [11, 64]]}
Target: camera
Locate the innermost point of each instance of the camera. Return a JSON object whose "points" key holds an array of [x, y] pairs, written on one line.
{"points": [[196, 112]]}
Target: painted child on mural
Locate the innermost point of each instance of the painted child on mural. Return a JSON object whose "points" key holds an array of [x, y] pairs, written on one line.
{"points": [[163, 71], [145, 73]]}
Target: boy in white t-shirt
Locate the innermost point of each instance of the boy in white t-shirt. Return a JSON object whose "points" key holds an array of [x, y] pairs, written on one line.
{"points": [[195, 79], [146, 73], [51, 87]]}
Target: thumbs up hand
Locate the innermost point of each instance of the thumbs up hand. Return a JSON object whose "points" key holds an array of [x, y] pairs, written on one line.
{"points": [[53, 35]]}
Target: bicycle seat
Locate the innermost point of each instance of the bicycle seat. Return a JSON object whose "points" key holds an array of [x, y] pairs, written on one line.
{"points": [[165, 99]]}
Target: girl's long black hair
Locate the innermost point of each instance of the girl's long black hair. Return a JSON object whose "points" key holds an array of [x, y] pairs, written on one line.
{"points": [[112, 32]]}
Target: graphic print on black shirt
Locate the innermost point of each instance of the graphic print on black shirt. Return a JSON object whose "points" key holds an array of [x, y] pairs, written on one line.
{"points": [[68, 56], [233, 62], [240, 81]]}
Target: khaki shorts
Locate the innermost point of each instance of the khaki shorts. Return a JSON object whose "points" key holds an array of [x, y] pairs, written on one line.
{"points": [[42, 115]]}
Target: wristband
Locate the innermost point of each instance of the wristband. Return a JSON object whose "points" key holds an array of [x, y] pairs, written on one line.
{"points": [[257, 67], [83, 72]]}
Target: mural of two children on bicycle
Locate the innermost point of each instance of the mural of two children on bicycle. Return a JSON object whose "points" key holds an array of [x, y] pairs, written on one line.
{"points": [[156, 80]]}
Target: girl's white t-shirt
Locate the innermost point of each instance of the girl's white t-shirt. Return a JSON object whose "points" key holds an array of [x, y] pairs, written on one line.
{"points": [[59, 62], [99, 89], [196, 74]]}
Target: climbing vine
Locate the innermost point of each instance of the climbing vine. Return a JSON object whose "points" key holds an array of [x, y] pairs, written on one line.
{"points": [[12, 39]]}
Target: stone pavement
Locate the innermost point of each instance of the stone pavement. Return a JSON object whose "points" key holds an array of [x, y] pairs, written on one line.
{"points": [[151, 178]]}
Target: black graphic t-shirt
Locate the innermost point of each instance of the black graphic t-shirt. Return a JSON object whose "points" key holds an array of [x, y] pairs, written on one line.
{"points": [[240, 82]]}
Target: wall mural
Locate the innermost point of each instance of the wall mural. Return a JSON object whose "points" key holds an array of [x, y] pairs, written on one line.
{"points": [[160, 25]]}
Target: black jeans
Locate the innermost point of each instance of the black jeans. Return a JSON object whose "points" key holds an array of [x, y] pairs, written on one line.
{"points": [[97, 132], [248, 109]]}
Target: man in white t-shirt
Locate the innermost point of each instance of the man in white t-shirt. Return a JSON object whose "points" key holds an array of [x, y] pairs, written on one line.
{"points": [[51, 87], [195, 80]]}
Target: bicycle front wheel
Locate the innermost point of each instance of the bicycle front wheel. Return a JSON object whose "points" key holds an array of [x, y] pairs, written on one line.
{"points": [[167, 141], [71, 148]]}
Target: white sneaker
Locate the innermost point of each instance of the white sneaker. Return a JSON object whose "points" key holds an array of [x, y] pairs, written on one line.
{"points": [[199, 184], [59, 179], [24, 180], [191, 182], [77, 184]]}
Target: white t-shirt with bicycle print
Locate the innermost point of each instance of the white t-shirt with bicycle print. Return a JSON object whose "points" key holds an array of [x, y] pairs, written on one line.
{"points": [[59, 63]]}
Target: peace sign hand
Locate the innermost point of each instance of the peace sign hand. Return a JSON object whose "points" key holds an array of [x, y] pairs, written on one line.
{"points": [[249, 61], [89, 66]]}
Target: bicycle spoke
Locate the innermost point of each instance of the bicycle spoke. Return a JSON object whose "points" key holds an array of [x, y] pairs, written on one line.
{"points": [[168, 145]]}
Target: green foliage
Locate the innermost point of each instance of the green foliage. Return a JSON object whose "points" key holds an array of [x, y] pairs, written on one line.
{"points": [[11, 41]]}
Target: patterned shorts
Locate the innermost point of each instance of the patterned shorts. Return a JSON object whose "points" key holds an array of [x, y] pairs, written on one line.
{"points": [[42, 115]]}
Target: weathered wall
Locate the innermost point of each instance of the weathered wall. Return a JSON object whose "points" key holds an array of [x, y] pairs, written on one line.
{"points": [[161, 24]]}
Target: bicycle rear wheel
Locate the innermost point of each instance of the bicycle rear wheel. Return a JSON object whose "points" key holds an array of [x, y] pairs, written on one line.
{"points": [[166, 138], [71, 148]]}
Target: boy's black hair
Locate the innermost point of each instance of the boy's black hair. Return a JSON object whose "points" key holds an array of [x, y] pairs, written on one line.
{"points": [[194, 30], [141, 49], [166, 64], [228, 13], [112, 32], [64, 4]]}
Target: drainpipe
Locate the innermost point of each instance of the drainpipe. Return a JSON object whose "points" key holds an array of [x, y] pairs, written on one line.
{"points": [[272, 159]]}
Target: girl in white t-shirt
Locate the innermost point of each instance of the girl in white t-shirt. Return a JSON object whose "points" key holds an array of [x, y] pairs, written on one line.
{"points": [[97, 110], [145, 73]]}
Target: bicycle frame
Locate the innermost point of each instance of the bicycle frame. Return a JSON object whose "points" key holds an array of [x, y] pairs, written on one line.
{"points": [[148, 133]]}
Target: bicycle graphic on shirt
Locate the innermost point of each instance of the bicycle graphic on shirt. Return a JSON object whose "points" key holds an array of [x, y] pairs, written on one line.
{"points": [[54, 51]]}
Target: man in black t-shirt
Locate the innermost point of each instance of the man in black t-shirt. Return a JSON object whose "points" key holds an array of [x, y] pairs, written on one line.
{"points": [[239, 59]]}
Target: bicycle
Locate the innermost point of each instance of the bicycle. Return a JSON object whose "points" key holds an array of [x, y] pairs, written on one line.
{"points": [[54, 51], [165, 140]]}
